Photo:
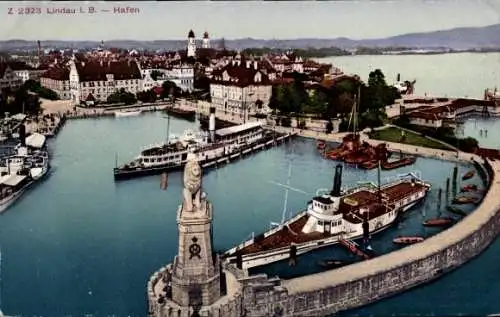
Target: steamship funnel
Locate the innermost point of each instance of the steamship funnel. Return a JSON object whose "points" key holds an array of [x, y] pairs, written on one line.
{"points": [[337, 181]]}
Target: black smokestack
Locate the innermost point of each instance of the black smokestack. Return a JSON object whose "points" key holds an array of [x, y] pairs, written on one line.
{"points": [[22, 134], [399, 77], [337, 181]]}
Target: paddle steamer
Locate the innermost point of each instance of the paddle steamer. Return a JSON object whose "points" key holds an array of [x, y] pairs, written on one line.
{"points": [[208, 147], [328, 219]]}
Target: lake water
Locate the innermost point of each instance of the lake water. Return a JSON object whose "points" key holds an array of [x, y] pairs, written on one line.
{"points": [[79, 244], [452, 75]]}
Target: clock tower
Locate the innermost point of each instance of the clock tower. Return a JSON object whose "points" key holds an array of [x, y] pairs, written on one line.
{"points": [[195, 272]]}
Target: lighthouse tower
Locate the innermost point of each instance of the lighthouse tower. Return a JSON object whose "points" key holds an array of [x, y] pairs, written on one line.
{"points": [[191, 47], [206, 40]]}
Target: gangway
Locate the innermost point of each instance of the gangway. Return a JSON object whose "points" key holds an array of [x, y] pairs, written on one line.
{"points": [[353, 248]]}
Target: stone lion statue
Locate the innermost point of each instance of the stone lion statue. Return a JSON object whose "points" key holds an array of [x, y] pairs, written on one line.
{"points": [[192, 183]]}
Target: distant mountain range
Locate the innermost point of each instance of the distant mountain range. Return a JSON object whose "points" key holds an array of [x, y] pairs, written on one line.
{"points": [[456, 39]]}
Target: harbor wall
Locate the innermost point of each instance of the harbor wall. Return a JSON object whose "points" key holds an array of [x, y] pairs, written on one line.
{"points": [[366, 282]]}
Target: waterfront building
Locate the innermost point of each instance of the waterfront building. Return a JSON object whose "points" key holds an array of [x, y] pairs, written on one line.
{"points": [[94, 80], [240, 88], [56, 78]]}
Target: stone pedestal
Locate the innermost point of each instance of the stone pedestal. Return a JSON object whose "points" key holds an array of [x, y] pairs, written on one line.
{"points": [[195, 274]]}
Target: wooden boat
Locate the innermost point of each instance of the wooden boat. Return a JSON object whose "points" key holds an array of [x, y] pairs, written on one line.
{"points": [[369, 165], [127, 113], [469, 188], [164, 181], [439, 222], [321, 145], [407, 240], [456, 210], [399, 163], [331, 263], [468, 175], [181, 113], [462, 200]]}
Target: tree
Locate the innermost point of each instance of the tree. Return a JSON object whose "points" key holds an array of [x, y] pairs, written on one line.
{"points": [[155, 74], [43, 92], [122, 96], [146, 96], [170, 89]]}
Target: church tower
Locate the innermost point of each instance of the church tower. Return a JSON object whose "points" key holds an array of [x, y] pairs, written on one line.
{"points": [[206, 40], [196, 271], [191, 47]]}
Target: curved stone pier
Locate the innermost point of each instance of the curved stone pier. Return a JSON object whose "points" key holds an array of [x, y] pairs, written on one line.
{"points": [[362, 283]]}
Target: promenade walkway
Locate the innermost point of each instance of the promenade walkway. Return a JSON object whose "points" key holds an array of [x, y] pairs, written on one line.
{"points": [[444, 239], [391, 146]]}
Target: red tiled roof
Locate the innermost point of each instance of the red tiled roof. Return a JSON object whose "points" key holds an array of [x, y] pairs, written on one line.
{"points": [[57, 72], [97, 71], [240, 76]]}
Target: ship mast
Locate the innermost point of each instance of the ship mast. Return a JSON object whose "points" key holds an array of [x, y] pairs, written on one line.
{"points": [[379, 191], [168, 128]]}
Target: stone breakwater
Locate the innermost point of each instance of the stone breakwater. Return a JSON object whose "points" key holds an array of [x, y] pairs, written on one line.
{"points": [[359, 284]]}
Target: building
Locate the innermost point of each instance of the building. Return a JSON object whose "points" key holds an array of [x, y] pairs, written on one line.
{"points": [[25, 71], [8, 78], [56, 78], [191, 46], [240, 88], [94, 80], [182, 76]]}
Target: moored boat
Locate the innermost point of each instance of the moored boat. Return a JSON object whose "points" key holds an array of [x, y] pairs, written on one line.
{"points": [[468, 175], [469, 188], [439, 222], [399, 163], [189, 115], [332, 218], [321, 145], [208, 147], [127, 113], [462, 200], [20, 171], [407, 240]]}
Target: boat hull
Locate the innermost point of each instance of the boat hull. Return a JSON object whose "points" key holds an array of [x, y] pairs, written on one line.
{"points": [[127, 113], [123, 174], [265, 258]]}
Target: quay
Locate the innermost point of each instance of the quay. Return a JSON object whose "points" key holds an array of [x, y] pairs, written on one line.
{"points": [[324, 293]]}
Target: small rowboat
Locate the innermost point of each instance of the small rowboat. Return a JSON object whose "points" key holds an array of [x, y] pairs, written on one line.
{"points": [[462, 200], [407, 240], [439, 222], [321, 145], [469, 188], [456, 210], [468, 175]]}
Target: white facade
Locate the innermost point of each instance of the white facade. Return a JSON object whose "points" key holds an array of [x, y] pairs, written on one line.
{"points": [[10, 80], [61, 87], [233, 99], [99, 89], [182, 77]]}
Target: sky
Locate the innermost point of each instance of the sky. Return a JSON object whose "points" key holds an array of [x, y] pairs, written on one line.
{"points": [[359, 19]]}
